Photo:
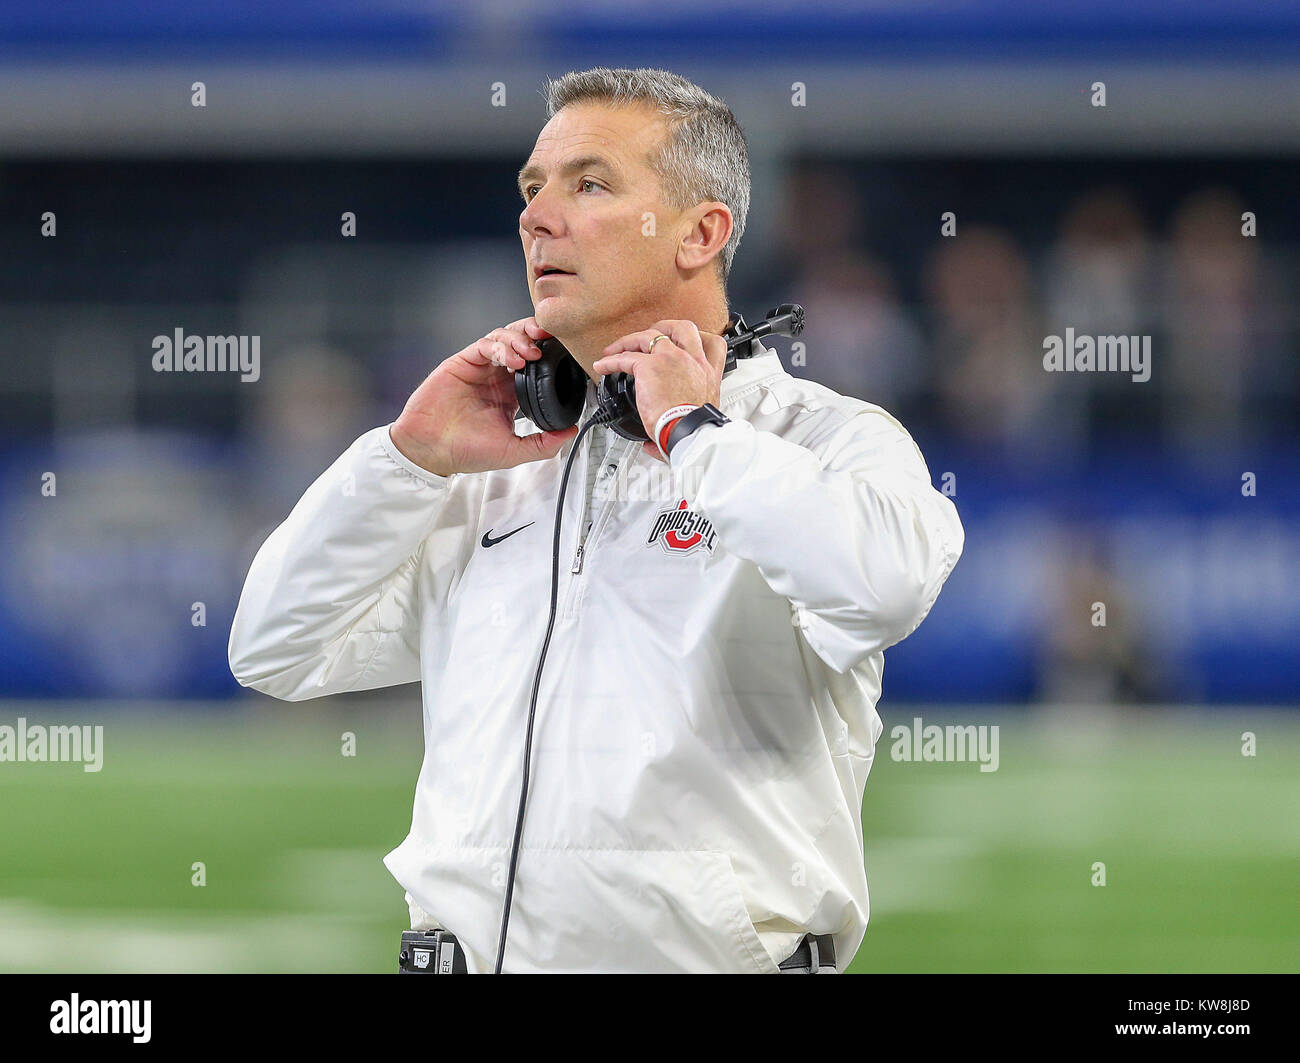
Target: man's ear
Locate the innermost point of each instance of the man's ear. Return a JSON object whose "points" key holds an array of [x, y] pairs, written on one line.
{"points": [[707, 236]]}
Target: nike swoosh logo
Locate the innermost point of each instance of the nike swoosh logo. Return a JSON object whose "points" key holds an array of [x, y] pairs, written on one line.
{"points": [[489, 541]]}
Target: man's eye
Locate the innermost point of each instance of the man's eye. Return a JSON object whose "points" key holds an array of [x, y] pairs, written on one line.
{"points": [[582, 184]]}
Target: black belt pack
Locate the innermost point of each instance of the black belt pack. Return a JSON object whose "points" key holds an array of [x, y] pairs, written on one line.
{"points": [[430, 952], [815, 955]]}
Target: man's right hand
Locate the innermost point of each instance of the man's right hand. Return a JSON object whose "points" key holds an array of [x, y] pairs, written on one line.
{"points": [[461, 418]]}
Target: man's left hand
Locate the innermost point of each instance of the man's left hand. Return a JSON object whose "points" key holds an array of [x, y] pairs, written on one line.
{"points": [[685, 368]]}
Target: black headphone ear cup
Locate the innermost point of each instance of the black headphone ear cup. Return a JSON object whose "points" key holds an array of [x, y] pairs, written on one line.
{"points": [[551, 389], [619, 389]]}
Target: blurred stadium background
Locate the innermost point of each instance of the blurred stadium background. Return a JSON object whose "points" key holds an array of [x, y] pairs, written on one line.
{"points": [[1120, 744]]}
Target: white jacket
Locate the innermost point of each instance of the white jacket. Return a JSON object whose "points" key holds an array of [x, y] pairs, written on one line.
{"points": [[706, 719]]}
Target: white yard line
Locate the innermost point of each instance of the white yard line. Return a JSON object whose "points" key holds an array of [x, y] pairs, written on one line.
{"points": [[353, 884]]}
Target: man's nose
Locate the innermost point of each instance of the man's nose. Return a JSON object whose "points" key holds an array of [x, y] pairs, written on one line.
{"points": [[539, 217], [532, 224]]}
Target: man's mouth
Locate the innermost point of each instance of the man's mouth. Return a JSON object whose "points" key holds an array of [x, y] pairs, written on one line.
{"points": [[549, 271]]}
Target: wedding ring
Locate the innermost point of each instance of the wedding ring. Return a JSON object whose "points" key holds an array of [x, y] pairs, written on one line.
{"points": [[661, 336]]}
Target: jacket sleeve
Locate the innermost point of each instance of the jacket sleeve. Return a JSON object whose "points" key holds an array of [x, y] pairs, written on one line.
{"points": [[331, 600], [851, 531]]}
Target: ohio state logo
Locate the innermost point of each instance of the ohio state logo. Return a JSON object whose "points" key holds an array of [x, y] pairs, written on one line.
{"points": [[679, 531]]}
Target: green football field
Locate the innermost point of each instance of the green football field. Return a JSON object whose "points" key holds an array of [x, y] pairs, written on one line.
{"points": [[969, 870]]}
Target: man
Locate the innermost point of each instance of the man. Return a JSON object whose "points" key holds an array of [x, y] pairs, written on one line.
{"points": [[706, 718]]}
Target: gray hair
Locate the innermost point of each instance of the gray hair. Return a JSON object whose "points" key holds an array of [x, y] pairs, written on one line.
{"points": [[704, 156]]}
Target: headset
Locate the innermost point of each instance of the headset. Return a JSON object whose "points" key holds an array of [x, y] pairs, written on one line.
{"points": [[553, 388], [552, 391]]}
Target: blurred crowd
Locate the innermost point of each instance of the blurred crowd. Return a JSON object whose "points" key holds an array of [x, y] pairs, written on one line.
{"points": [[958, 348]]}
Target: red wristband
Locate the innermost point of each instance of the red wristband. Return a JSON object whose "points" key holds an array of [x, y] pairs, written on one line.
{"points": [[663, 434]]}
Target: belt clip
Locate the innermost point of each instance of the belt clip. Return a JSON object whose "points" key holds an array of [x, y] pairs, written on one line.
{"points": [[814, 965], [432, 952], [446, 952]]}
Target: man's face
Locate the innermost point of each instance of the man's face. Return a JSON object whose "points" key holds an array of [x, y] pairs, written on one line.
{"points": [[587, 187]]}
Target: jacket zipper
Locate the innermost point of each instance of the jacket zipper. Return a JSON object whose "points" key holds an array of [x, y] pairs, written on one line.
{"points": [[577, 558], [618, 456], [584, 525]]}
